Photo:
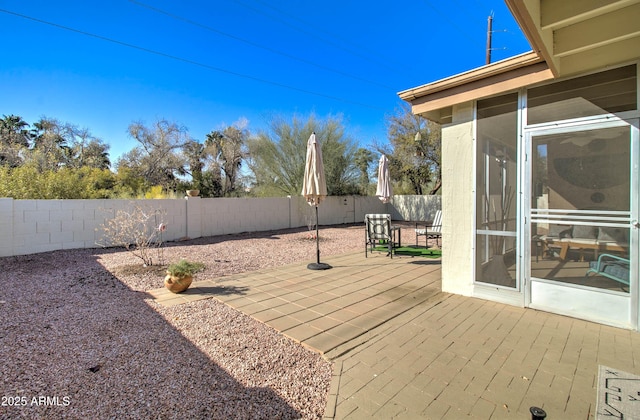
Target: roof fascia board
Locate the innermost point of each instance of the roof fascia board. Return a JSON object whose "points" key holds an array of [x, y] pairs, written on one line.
{"points": [[481, 88], [500, 67]]}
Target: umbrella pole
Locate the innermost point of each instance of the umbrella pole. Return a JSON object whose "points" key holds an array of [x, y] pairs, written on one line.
{"points": [[317, 237], [318, 265]]}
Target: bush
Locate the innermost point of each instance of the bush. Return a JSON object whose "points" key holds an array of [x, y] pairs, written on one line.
{"points": [[139, 231], [28, 183]]}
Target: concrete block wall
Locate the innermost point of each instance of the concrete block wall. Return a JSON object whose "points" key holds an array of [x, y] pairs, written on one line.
{"points": [[221, 216], [32, 226], [415, 208], [170, 212], [6, 226]]}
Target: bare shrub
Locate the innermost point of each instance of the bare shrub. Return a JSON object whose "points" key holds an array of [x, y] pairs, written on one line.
{"points": [[139, 231]]}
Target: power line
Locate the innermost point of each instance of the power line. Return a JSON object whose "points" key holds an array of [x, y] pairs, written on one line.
{"points": [[188, 61], [452, 23], [254, 44], [312, 34], [316, 28]]}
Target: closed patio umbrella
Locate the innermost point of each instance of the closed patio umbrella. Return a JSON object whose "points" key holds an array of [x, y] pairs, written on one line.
{"points": [[384, 190], [314, 189]]}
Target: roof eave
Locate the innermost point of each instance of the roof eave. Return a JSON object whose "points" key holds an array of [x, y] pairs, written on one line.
{"points": [[484, 72]]}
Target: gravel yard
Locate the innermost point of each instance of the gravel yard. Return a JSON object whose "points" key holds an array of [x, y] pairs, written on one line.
{"points": [[81, 338]]}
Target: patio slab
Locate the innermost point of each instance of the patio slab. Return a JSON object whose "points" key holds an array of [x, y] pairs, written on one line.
{"points": [[401, 348], [348, 303]]}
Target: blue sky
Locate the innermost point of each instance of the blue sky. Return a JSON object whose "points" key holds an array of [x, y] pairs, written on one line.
{"points": [[206, 64]]}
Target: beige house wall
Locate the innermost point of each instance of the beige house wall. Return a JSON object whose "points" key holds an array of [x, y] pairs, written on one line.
{"points": [[458, 200]]}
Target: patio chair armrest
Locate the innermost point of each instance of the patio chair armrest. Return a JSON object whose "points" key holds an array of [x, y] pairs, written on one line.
{"points": [[604, 257]]}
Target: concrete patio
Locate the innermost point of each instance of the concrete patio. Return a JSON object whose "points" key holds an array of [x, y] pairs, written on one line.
{"points": [[403, 349]]}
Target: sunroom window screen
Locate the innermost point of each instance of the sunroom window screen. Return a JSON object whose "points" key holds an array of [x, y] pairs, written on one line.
{"points": [[496, 178]]}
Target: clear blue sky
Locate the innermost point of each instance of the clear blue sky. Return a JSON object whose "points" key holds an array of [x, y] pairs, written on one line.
{"points": [[204, 64]]}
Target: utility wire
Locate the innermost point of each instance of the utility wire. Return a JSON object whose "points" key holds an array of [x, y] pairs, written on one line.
{"points": [[188, 61], [272, 50], [316, 28], [339, 46], [460, 30]]}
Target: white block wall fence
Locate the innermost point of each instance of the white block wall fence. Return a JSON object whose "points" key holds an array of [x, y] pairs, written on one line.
{"points": [[32, 226]]}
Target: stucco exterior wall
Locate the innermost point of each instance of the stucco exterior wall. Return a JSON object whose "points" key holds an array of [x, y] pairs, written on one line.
{"points": [[458, 201]]}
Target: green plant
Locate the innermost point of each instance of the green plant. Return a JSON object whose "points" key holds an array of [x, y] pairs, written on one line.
{"points": [[184, 268]]}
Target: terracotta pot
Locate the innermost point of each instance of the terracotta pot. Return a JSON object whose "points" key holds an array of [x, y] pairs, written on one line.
{"points": [[177, 284], [193, 193]]}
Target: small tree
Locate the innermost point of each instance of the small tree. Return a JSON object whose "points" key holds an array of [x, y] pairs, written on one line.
{"points": [[413, 152], [139, 231]]}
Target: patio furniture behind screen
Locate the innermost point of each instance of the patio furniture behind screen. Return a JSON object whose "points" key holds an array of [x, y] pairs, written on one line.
{"points": [[611, 266], [580, 238]]}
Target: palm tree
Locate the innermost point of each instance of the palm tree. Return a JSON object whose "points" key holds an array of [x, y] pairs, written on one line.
{"points": [[227, 147], [14, 140], [363, 159], [50, 148]]}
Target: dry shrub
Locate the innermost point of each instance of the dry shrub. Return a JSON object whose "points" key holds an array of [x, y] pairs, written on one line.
{"points": [[139, 231]]}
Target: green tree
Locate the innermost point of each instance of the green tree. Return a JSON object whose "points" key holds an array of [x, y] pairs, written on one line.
{"points": [[338, 154], [413, 152], [128, 182], [194, 152], [204, 170], [277, 157]]}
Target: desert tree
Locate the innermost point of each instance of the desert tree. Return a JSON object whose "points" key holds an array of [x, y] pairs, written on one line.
{"points": [[86, 150], [413, 151], [157, 158], [277, 156]]}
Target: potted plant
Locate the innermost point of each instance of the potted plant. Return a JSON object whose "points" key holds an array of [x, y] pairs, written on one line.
{"points": [[180, 275], [193, 193]]}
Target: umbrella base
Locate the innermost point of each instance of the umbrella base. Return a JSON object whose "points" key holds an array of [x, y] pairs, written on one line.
{"points": [[318, 266]]}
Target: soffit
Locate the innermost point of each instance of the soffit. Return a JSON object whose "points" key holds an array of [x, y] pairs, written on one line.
{"points": [[579, 36]]}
